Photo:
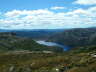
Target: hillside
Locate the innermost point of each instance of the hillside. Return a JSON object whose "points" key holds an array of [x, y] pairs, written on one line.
{"points": [[10, 42], [75, 37], [21, 54], [77, 60]]}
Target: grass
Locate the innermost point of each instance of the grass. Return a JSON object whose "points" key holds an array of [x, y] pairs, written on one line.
{"points": [[41, 62]]}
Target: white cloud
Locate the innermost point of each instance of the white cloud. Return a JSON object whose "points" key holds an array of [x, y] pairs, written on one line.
{"points": [[45, 19], [57, 8], [17, 13], [85, 2], [14, 13]]}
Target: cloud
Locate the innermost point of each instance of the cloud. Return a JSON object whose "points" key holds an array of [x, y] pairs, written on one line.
{"points": [[85, 2], [18, 13], [46, 19], [57, 8]]}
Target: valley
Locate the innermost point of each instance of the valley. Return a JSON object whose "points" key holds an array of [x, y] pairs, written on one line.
{"points": [[47, 35], [52, 44], [60, 51]]}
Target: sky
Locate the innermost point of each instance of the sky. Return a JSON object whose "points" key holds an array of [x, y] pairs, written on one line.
{"points": [[47, 14]]}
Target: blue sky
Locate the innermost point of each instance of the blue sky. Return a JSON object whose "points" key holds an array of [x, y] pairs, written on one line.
{"points": [[47, 14], [6, 5], [31, 4]]}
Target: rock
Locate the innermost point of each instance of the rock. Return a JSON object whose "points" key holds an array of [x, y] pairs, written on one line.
{"points": [[11, 69]]}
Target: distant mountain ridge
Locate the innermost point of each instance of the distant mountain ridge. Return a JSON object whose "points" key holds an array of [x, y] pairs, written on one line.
{"points": [[10, 42], [75, 37], [35, 33]]}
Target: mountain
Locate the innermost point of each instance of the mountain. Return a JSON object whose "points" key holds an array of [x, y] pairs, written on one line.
{"points": [[10, 42], [35, 33], [23, 54], [75, 37]]}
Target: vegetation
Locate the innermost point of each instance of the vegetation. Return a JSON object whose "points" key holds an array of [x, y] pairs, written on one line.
{"points": [[20, 54], [75, 37], [75, 60], [10, 42]]}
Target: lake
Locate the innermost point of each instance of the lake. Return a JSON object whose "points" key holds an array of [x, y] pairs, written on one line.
{"points": [[66, 48]]}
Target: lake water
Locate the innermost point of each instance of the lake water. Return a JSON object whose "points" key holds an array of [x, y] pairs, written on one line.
{"points": [[66, 48]]}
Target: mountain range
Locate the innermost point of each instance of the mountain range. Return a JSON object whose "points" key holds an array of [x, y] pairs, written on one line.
{"points": [[75, 37]]}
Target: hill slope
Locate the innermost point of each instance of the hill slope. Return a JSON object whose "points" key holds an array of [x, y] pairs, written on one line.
{"points": [[80, 59], [76, 37], [9, 42], [77, 60]]}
